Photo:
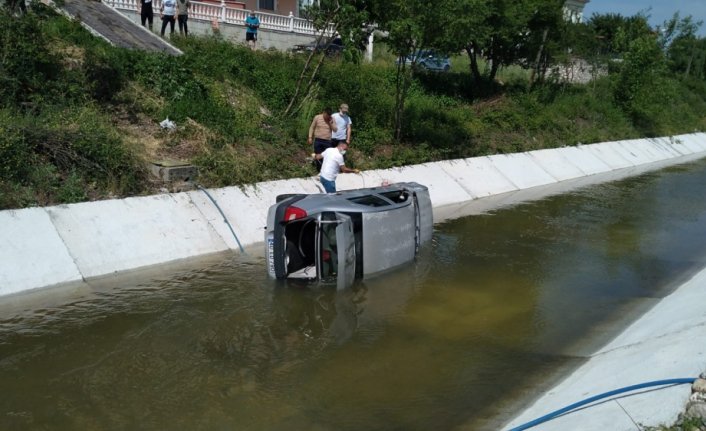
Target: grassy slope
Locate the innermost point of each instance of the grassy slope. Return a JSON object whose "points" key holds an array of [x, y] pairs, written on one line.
{"points": [[85, 131]]}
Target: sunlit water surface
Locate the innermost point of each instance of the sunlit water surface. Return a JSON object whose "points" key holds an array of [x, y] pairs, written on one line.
{"points": [[493, 307]]}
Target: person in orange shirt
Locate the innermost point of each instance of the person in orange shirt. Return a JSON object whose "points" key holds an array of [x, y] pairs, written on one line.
{"points": [[322, 126]]}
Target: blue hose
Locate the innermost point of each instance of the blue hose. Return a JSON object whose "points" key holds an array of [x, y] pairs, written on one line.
{"points": [[225, 219], [574, 406]]}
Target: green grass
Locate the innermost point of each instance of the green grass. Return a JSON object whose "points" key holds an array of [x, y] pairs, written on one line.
{"points": [[78, 117]]}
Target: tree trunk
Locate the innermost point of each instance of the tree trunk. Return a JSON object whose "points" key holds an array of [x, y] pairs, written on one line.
{"points": [[302, 75], [310, 83], [691, 60], [305, 69], [400, 94], [473, 57], [538, 58], [494, 66]]}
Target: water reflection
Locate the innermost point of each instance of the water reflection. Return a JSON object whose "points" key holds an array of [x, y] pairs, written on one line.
{"points": [[496, 303]]}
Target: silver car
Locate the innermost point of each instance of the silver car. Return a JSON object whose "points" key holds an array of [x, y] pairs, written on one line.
{"points": [[338, 237]]}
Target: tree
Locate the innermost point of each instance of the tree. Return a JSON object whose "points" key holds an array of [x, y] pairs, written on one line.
{"points": [[606, 27], [411, 25], [640, 86], [678, 38], [347, 18], [14, 6]]}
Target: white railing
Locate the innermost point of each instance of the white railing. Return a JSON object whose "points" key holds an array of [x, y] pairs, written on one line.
{"points": [[225, 14]]}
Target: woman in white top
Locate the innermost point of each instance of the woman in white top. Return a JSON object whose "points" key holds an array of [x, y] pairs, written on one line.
{"points": [[167, 11]]}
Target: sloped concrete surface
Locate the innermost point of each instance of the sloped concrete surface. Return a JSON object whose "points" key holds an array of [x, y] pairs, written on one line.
{"points": [[556, 164], [117, 235], [478, 176], [522, 170], [31, 252], [667, 342], [589, 163], [116, 28]]}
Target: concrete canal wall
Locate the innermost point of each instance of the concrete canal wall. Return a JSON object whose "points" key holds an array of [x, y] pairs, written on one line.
{"points": [[42, 247]]}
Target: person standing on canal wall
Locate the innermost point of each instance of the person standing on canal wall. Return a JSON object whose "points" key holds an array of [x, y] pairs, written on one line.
{"points": [[320, 132], [343, 124], [332, 165], [167, 11], [183, 7], [146, 12], [252, 24]]}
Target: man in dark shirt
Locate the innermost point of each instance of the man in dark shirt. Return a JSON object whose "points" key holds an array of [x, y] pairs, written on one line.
{"points": [[146, 14]]}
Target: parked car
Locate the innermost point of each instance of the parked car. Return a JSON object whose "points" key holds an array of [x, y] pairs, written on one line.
{"points": [[333, 49], [338, 237], [428, 60]]}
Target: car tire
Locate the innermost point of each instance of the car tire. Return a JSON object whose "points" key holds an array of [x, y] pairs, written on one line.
{"points": [[446, 68]]}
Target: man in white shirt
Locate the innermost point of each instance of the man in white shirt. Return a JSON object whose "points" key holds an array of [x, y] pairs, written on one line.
{"points": [[333, 164], [343, 126]]}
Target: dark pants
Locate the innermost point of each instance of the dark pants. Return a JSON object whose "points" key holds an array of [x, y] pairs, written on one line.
{"points": [[182, 23], [167, 19], [320, 145], [146, 16]]}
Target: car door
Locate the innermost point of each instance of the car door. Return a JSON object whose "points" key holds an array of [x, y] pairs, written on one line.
{"points": [[336, 250], [346, 251]]}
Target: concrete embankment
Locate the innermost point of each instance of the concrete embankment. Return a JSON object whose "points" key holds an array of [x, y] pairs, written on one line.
{"points": [[42, 247], [666, 342]]}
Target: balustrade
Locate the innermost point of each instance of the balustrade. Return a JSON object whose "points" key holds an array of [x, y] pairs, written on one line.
{"points": [[232, 13]]}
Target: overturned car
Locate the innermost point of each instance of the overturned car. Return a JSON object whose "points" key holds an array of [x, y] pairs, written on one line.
{"points": [[335, 238]]}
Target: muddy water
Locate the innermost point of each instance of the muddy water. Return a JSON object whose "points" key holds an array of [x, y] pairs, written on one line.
{"points": [[494, 307]]}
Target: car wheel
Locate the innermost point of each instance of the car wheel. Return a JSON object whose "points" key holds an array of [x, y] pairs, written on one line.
{"points": [[446, 68], [423, 66]]}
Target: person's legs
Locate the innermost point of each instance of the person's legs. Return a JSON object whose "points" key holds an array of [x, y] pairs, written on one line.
{"points": [[182, 25], [171, 24], [320, 145], [150, 18], [165, 20], [329, 186]]}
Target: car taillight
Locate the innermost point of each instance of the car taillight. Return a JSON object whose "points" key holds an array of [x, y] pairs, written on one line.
{"points": [[294, 213]]}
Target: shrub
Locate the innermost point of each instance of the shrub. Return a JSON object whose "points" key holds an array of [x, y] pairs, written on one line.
{"points": [[26, 64], [15, 153]]}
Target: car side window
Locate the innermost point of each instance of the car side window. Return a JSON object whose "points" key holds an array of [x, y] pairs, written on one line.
{"points": [[369, 200]]}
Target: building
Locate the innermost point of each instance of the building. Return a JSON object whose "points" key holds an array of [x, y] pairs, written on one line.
{"points": [[279, 7], [573, 10]]}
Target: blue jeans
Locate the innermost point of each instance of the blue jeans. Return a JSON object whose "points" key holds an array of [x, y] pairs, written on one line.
{"points": [[329, 186]]}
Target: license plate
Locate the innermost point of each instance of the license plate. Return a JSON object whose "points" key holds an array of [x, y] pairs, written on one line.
{"points": [[271, 255]]}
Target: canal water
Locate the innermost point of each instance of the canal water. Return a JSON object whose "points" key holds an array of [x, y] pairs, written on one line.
{"points": [[498, 306]]}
